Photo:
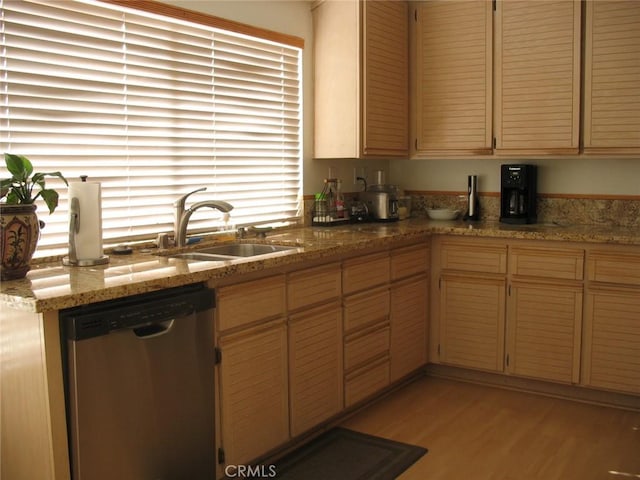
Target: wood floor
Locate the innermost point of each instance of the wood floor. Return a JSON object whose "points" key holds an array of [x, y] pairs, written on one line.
{"points": [[486, 433]]}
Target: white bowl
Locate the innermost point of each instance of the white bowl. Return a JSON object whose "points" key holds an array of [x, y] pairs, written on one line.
{"points": [[442, 213]]}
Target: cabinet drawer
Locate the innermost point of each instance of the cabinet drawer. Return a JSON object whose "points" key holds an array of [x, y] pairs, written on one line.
{"points": [[365, 307], [365, 272], [471, 257], [409, 261], [622, 268], [247, 302], [564, 263], [314, 285], [365, 382], [363, 347]]}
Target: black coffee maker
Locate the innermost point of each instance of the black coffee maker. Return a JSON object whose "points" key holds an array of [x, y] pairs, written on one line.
{"points": [[518, 193]]}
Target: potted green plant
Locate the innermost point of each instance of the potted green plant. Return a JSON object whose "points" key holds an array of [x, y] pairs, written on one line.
{"points": [[19, 224]]}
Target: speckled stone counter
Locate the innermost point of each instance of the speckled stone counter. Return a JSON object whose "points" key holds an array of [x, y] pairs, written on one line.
{"points": [[51, 286]]}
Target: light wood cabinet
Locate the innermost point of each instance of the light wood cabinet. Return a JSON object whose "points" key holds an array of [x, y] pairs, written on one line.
{"points": [[509, 82], [570, 312], [315, 346], [537, 77], [315, 366], [503, 82], [453, 76], [472, 321], [408, 313], [545, 262], [364, 272], [544, 322], [366, 381], [612, 77], [614, 267], [366, 343], [253, 392], [361, 79], [612, 339], [252, 376], [366, 308], [507, 306], [365, 286], [524, 320], [611, 324], [408, 317], [246, 303], [313, 286], [544, 312], [468, 303], [408, 261], [473, 256]]}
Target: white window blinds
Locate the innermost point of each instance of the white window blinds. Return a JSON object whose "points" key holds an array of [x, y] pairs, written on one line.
{"points": [[152, 108]]}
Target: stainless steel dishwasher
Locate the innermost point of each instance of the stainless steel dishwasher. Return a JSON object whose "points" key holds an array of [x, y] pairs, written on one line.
{"points": [[140, 386]]}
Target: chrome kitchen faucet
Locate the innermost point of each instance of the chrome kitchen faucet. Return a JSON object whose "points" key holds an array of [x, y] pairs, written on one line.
{"points": [[182, 216]]}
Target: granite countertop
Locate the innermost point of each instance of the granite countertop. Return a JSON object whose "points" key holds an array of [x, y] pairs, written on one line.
{"points": [[52, 286]]}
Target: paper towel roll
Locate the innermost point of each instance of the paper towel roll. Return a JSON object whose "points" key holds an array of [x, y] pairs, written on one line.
{"points": [[89, 237]]}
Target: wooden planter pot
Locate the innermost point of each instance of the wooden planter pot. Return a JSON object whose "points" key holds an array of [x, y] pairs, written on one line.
{"points": [[19, 233]]}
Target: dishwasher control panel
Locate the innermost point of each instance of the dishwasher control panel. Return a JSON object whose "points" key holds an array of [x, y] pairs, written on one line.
{"points": [[98, 319]]}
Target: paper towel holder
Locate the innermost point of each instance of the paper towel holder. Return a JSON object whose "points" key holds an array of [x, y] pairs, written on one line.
{"points": [[74, 227]]}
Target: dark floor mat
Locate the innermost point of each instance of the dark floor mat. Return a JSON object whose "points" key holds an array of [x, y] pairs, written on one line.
{"points": [[342, 454]]}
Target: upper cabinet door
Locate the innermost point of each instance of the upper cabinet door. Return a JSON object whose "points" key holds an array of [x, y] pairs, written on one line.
{"points": [[385, 79], [453, 77], [537, 77], [361, 55], [612, 77]]}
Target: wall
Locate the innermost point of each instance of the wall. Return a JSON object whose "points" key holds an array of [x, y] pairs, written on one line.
{"points": [[567, 175]]}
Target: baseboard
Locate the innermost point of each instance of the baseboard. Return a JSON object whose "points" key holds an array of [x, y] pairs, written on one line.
{"points": [[569, 392]]}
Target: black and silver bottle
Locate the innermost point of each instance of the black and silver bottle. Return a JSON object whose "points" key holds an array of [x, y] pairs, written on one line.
{"points": [[473, 204]]}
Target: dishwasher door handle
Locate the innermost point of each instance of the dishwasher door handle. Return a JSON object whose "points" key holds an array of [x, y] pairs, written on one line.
{"points": [[153, 330]]}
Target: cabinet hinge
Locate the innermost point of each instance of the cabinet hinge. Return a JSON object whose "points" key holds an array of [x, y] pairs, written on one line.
{"points": [[438, 350], [494, 143], [507, 360], [440, 283], [220, 456], [494, 5], [416, 143], [509, 290], [218, 354], [415, 14]]}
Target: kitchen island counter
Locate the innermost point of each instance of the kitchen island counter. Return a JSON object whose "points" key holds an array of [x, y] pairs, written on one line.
{"points": [[51, 286]]}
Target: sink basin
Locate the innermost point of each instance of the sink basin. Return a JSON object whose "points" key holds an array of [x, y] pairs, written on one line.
{"points": [[204, 257], [231, 251], [244, 249]]}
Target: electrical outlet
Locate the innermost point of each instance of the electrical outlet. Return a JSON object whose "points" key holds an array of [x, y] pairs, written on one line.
{"points": [[359, 172]]}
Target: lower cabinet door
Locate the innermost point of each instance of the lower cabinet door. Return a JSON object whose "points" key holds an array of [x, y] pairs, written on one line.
{"points": [[611, 357], [315, 366], [253, 392], [543, 331], [408, 318], [472, 313]]}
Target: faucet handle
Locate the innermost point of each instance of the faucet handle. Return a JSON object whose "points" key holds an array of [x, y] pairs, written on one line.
{"points": [[179, 203]]}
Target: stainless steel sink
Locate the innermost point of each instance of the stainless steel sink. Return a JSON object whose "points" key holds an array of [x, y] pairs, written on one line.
{"points": [[203, 257], [244, 249], [231, 251]]}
